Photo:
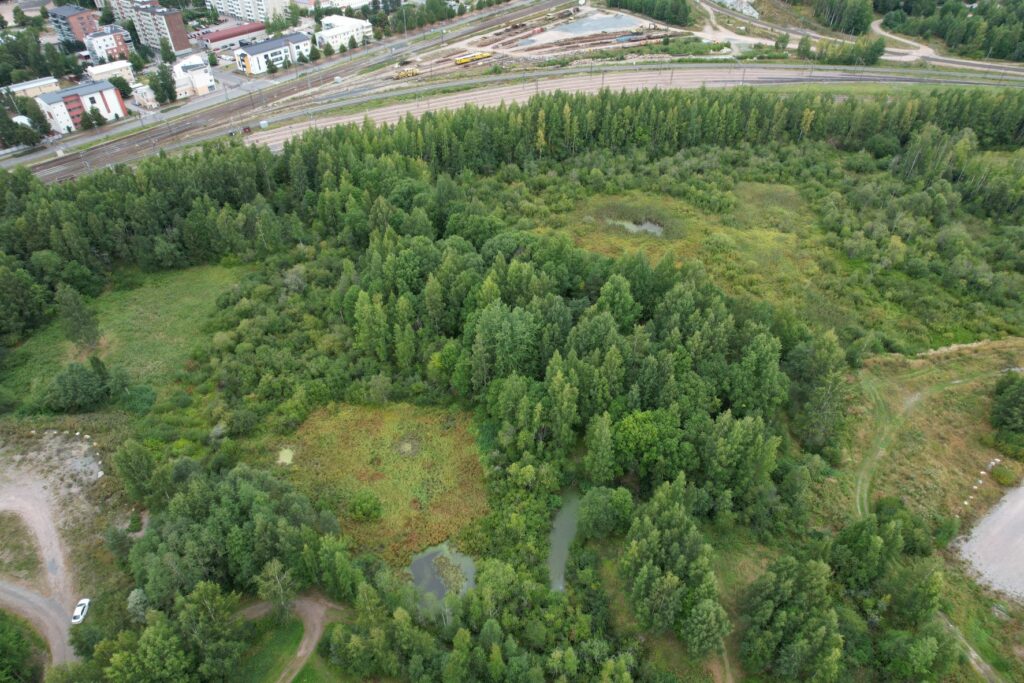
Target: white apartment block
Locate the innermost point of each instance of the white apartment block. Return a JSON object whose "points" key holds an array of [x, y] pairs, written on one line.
{"points": [[64, 109], [253, 59], [251, 10], [338, 31]]}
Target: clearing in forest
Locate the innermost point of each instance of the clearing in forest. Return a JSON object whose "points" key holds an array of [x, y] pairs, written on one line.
{"points": [[421, 464], [920, 432], [147, 329], [766, 246]]}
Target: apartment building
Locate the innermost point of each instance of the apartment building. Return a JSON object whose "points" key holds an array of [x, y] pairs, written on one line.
{"points": [[109, 43], [339, 31], [124, 10], [64, 109], [251, 10], [157, 23], [253, 59], [72, 23]]}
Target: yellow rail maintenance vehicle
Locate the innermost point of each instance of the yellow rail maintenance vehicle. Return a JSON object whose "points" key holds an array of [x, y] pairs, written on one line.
{"points": [[471, 57]]}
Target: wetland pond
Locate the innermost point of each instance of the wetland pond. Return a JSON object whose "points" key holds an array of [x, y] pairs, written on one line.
{"points": [[563, 531], [441, 568]]}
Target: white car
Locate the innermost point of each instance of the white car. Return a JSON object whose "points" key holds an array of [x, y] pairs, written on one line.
{"points": [[80, 611]]}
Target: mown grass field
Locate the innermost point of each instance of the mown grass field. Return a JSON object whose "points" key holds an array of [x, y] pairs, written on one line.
{"points": [[19, 554], [422, 464], [274, 647], [148, 329]]}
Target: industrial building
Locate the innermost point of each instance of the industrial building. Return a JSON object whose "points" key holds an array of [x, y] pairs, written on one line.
{"points": [[231, 37], [33, 87], [102, 72]]}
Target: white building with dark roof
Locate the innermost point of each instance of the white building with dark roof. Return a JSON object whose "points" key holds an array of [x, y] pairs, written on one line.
{"points": [[253, 59], [64, 109]]}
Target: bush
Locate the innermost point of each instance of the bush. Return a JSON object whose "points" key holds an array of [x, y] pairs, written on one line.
{"points": [[1004, 476], [75, 389], [605, 512], [365, 507]]}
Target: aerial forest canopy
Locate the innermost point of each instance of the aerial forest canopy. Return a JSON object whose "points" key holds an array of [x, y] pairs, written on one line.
{"points": [[407, 262]]}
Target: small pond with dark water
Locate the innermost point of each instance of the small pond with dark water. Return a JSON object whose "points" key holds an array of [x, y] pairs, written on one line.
{"points": [[441, 568], [563, 531]]}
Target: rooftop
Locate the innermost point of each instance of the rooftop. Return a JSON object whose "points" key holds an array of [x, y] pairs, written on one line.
{"points": [[225, 33], [107, 30], [80, 90], [25, 85], [158, 10], [274, 43], [109, 66], [336, 21], [66, 10]]}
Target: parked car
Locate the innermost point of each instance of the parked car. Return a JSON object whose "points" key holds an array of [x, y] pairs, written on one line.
{"points": [[81, 609]]}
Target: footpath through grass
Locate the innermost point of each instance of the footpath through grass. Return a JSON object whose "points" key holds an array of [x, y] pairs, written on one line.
{"points": [[274, 647]]}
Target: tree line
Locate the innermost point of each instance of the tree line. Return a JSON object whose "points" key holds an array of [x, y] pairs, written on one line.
{"points": [[987, 30], [670, 11]]}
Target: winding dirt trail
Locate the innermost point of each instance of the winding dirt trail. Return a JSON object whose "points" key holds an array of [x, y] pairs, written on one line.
{"points": [[43, 484], [312, 611]]}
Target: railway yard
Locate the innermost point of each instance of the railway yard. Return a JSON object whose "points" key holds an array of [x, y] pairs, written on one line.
{"points": [[485, 58]]}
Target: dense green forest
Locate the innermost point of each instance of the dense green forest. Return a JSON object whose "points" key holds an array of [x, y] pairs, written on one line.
{"points": [[670, 11], [989, 29], [406, 262]]}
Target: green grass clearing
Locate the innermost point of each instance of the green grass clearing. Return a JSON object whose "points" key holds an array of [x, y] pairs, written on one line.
{"points": [[421, 464], [19, 553], [767, 247], [148, 330], [275, 645]]}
